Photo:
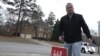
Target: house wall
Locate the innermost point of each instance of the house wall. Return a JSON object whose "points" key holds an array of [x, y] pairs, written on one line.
{"points": [[26, 36], [42, 32], [39, 32], [27, 32]]}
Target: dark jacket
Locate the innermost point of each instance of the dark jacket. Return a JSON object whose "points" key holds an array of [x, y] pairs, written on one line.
{"points": [[71, 28]]}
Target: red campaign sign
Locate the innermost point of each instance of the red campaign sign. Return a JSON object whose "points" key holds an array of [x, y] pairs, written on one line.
{"points": [[59, 51]]}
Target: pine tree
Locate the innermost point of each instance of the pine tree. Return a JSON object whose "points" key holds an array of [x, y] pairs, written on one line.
{"points": [[51, 19], [56, 32]]}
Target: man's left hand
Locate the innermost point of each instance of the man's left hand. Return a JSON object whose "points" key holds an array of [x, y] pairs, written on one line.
{"points": [[90, 40]]}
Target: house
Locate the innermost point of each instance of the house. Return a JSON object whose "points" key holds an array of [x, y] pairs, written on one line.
{"points": [[27, 30], [39, 29]]}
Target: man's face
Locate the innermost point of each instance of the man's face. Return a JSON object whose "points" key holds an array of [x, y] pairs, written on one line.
{"points": [[69, 8]]}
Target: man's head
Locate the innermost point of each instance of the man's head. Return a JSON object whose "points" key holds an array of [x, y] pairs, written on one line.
{"points": [[69, 8]]}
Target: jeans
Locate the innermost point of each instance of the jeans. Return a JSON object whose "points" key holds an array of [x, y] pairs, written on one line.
{"points": [[73, 48]]}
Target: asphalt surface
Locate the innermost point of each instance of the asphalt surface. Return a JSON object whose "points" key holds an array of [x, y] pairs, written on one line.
{"points": [[7, 48], [25, 49]]}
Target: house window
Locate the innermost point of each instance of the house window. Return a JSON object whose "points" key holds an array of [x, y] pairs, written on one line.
{"points": [[40, 29], [39, 35]]}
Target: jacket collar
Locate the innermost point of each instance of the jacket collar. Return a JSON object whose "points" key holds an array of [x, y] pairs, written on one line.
{"points": [[71, 16]]}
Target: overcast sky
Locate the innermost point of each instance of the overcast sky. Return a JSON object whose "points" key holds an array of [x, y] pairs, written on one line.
{"points": [[90, 9]]}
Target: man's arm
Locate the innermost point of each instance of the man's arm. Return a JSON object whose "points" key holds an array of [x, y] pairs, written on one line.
{"points": [[85, 28], [61, 29]]}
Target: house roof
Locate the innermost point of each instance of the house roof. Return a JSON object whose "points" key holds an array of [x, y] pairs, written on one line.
{"points": [[41, 23]]}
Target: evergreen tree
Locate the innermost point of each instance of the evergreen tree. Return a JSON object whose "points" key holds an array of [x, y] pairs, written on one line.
{"points": [[51, 19], [56, 32]]}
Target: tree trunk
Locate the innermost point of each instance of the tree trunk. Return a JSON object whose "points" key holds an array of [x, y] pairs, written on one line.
{"points": [[21, 24], [17, 24]]}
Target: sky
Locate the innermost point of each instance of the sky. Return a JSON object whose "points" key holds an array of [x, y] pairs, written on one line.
{"points": [[3, 9], [90, 9]]}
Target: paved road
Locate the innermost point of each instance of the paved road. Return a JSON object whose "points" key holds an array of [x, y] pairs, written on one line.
{"points": [[20, 49]]}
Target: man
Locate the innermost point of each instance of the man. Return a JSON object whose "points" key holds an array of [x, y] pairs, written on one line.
{"points": [[70, 28]]}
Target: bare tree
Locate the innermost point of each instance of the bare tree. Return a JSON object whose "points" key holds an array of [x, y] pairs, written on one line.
{"points": [[25, 9]]}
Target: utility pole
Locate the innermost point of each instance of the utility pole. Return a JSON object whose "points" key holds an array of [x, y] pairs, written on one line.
{"points": [[98, 37]]}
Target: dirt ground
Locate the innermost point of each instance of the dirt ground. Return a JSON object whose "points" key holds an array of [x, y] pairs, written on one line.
{"points": [[30, 41], [16, 39]]}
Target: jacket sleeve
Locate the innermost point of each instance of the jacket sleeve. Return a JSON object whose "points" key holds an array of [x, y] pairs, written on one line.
{"points": [[85, 27], [61, 26]]}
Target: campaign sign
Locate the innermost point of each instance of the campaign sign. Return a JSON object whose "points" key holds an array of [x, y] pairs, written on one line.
{"points": [[59, 51]]}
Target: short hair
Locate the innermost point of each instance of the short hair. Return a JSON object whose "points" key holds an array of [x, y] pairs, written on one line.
{"points": [[69, 3]]}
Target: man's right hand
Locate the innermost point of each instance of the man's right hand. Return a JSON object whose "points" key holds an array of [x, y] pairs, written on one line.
{"points": [[61, 38], [90, 40]]}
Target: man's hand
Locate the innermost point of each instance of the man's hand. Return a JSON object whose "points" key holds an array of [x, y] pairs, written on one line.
{"points": [[90, 40], [61, 38]]}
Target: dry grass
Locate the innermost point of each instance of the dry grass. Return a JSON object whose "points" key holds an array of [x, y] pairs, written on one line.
{"points": [[16, 39]]}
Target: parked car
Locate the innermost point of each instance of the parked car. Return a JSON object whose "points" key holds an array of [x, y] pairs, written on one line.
{"points": [[87, 48]]}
